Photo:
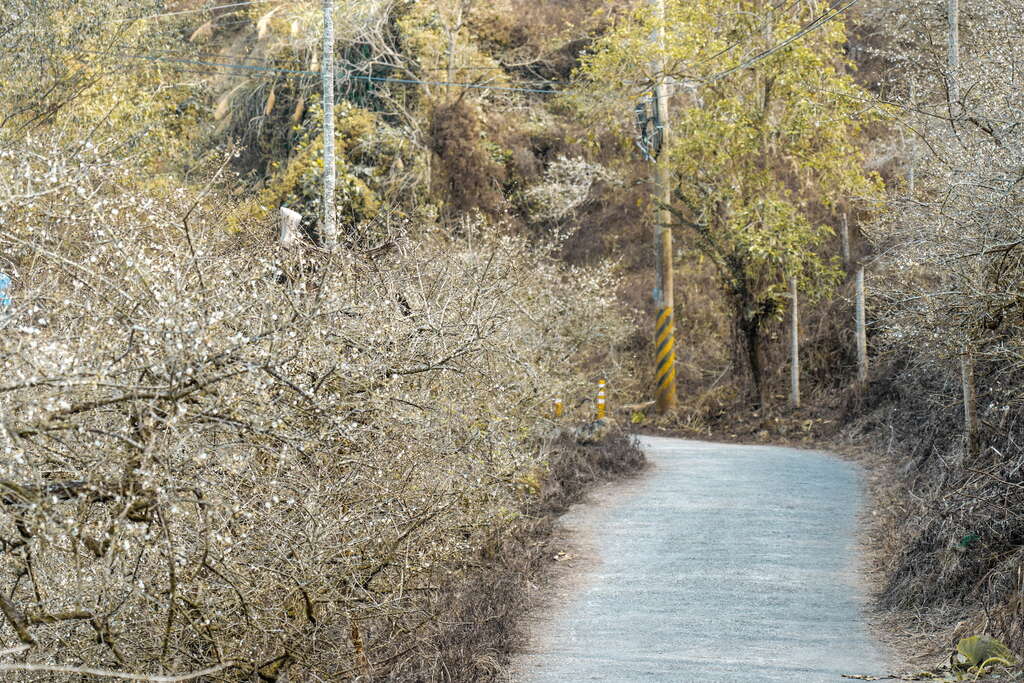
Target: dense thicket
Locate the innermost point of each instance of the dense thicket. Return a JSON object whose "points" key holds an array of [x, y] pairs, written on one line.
{"points": [[221, 451], [230, 458], [757, 175], [949, 308]]}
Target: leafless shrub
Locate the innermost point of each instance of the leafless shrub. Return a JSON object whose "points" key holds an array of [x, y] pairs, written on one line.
{"points": [[567, 185], [223, 454], [487, 601], [946, 285]]}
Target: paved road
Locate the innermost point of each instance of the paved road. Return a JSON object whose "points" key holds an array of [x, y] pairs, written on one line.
{"points": [[722, 563]]}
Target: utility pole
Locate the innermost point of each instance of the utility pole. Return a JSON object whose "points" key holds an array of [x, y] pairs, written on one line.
{"points": [[912, 172], [953, 11], [862, 328], [664, 339], [794, 346], [330, 235], [967, 353]]}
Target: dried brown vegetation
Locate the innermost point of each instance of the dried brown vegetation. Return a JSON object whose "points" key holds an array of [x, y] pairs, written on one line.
{"points": [[946, 297], [952, 535], [469, 176]]}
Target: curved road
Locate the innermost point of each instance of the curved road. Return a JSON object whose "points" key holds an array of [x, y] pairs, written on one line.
{"points": [[721, 563]]}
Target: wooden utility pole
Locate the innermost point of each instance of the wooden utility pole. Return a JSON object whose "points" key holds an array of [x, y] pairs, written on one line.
{"points": [[862, 334], [794, 347], [664, 336], [330, 235]]}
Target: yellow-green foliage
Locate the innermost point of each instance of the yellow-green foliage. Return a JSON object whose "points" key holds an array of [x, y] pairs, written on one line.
{"points": [[78, 66], [759, 156], [982, 651], [163, 125], [754, 152], [437, 36], [297, 182]]}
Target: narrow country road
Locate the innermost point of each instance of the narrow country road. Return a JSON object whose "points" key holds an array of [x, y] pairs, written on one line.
{"points": [[721, 563]]}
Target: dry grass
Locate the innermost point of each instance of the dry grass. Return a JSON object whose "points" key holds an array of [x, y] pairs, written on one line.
{"points": [[483, 610], [951, 529]]}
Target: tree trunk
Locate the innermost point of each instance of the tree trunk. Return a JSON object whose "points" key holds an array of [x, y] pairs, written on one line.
{"points": [[752, 343], [844, 246], [972, 444]]}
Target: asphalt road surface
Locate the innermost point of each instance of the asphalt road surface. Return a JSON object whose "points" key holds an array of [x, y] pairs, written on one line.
{"points": [[721, 563]]}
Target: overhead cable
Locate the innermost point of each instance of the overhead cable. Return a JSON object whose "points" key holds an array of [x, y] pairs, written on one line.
{"points": [[306, 72], [196, 10], [732, 46], [816, 24]]}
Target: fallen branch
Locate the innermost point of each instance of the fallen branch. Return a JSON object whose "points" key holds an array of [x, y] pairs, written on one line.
{"points": [[636, 407], [86, 671], [17, 620]]}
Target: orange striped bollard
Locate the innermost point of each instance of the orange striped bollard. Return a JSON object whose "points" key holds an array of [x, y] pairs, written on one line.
{"points": [[559, 408], [600, 399]]}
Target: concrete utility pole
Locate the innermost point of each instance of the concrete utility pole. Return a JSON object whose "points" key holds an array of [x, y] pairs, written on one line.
{"points": [[862, 329], [794, 347], [912, 171], [664, 336], [330, 235], [967, 354], [953, 11]]}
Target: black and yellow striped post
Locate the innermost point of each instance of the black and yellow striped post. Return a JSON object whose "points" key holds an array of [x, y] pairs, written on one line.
{"points": [[602, 397], [665, 361], [559, 408]]}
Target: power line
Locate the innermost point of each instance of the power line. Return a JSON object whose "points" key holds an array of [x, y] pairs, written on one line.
{"points": [[349, 62], [305, 72], [816, 24], [807, 28], [268, 2], [735, 44], [193, 11], [211, 55]]}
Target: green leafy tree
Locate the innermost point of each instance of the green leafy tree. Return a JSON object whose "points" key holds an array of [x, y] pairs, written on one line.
{"points": [[760, 155]]}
